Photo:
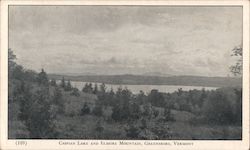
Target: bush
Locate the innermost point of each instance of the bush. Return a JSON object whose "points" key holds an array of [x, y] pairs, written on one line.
{"points": [[156, 98], [75, 92], [85, 109], [167, 115], [218, 109], [98, 111], [132, 131]]}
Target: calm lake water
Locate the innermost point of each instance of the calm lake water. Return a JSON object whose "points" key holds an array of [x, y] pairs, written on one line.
{"points": [[145, 88]]}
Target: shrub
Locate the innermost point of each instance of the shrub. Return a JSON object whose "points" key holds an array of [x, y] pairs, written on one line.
{"points": [[167, 115], [98, 111], [218, 109], [132, 131], [85, 109], [75, 92]]}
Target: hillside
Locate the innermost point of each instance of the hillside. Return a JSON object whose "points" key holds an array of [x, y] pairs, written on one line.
{"points": [[155, 80]]}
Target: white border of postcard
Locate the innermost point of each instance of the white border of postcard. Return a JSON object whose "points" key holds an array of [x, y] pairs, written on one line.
{"points": [[136, 144]]}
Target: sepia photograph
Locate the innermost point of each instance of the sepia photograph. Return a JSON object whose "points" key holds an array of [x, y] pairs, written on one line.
{"points": [[125, 72]]}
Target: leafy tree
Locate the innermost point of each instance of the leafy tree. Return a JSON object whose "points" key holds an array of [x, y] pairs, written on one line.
{"points": [[75, 92], [11, 59], [11, 63], [29, 75], [121, 109], [103, 88], [134, 111], [25, 100], [98, 110], [40, 123], [34, 111], [237, 68], [85, 88], [58, 99], [42, 78], [217, 108], [148, 110], [238, 113], [179, 92], [202, 97], [156, 113], [133, 131], [17, 73], [68, 86], [111, 92], [141, 98], [99, 128], [156, 98], [95, 89], [85, 109], [88, 88], [167, 115], [116, 113], [53, 82], [62, 83], [163, 131]]}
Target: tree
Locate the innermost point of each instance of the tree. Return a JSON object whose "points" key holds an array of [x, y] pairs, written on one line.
{"points": [[116, 113], [88, 88], [85, 88], [237, 68], [42, 78], [99, 127], [148, 111], [202, 97], [167, 114], [132, 131], [53, 82], [95, 89], [11, 62], [25, 100], [34, 111], [85, 109], [75, 92], [141, 98], [134, 111], [238, 112], [62, 83], [180, 91], [58, 99], [98, 111], [156, 98], [121, 109], [68, 86], [218, 109], [41, 121]]}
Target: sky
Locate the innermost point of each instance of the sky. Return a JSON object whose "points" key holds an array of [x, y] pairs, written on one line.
{"points": [[175, 40]]}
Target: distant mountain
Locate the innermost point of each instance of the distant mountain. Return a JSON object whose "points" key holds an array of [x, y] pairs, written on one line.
{"points": [[155, 80], [159, 74]]}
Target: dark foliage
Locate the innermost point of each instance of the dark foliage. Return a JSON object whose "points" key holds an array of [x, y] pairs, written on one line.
{"points": [[53, 82], [75, 92], [98, 110], [85, 109], [68, 86]]}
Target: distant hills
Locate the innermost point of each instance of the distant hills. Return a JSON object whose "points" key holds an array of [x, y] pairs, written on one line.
{"points": [[154, 80]]}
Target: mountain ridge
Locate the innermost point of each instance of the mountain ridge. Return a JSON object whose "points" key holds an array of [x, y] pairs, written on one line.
{"points": [[130, 79]]}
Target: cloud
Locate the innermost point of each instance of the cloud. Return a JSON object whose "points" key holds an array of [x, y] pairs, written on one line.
{"points": [[125, 39]]}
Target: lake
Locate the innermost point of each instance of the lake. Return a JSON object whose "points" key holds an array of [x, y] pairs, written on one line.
{"points": [[145, 88]]}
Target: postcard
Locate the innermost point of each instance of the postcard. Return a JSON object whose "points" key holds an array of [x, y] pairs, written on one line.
{"points": [[124, 75]]}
